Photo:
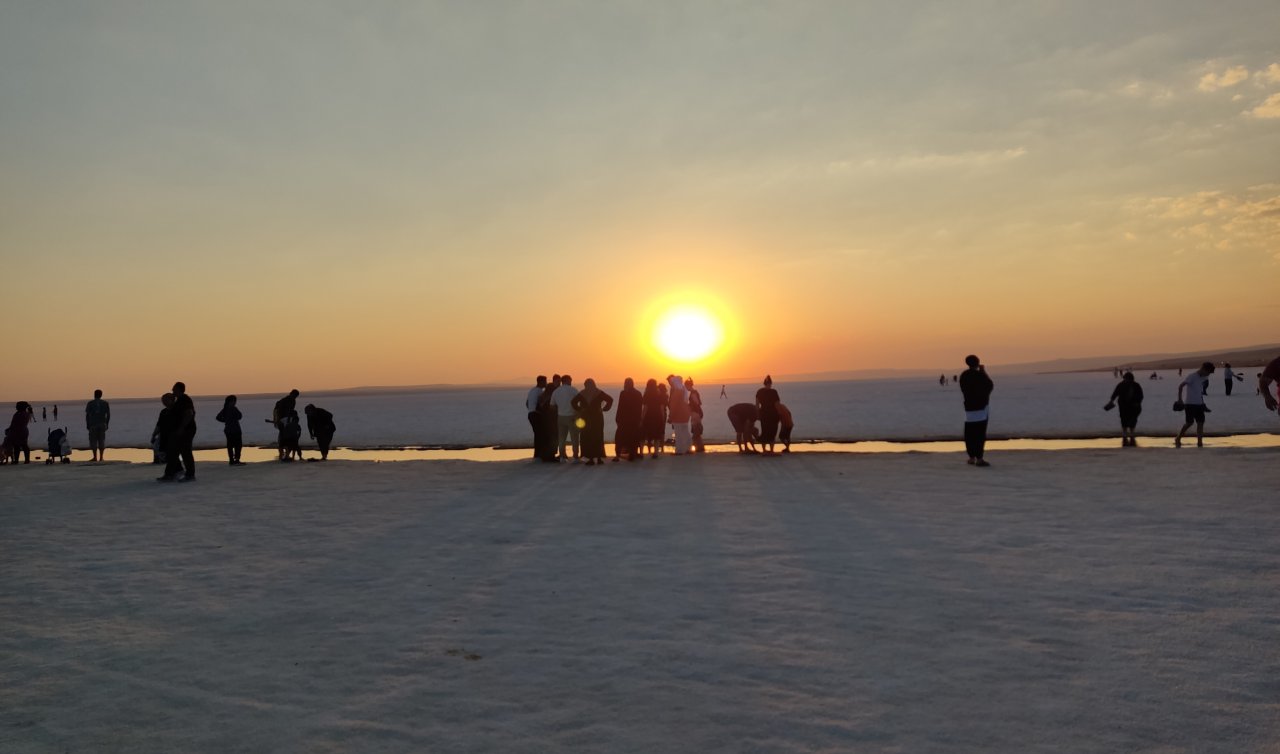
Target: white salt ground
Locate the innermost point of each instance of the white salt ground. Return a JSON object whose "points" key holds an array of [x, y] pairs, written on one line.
{"points": [[1078, 601]]}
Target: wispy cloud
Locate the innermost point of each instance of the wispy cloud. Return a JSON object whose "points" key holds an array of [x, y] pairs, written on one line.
{"points": [[1216, 220], [930, 161], [1269, 75], [1270, 108], [1211, 82]]}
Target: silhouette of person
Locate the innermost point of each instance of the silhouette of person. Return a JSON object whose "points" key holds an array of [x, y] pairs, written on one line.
{"points": [[767, 405], [17, 435], [55, 412], [97, 417], [1229, 375], [179, 455], [280, 414], [695, 416], [723, 394], [743, 417], [976, 388], [942, 379], [1128, 395], [628, 438], [163, 432], [44, 413], [1191, 398], [535, 419], [550, 420], [320, 427], [590, 405], [1270, 374], [230, 417], [567, 428], [678, 413], [786, 423], [654, 418]]}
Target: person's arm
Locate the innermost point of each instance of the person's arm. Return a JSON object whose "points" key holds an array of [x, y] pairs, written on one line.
{"points": [[106, 419], [608, 402], [1181, 385], [1264, 384]]}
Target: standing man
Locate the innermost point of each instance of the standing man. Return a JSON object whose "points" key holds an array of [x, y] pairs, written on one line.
{"points": [[535, 419], [976, 388], [179, 455], [1193, 402], [97, 415], [1269, 375], [321, 428], [1228, 374], [566, 417]]}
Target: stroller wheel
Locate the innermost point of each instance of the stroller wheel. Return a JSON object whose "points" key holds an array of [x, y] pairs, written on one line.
{"points": [[48, 461], [66, 459]]}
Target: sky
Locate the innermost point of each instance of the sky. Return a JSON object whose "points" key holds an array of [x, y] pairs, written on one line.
{"points": [[254, 196]]}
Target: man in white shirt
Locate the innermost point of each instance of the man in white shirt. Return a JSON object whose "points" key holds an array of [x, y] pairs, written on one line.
{"points": [[566, 417], [535, 419], [1191, 398]]}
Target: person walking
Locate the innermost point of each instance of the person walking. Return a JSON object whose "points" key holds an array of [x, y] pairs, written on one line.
{"points": [[320, 427], [976, 388], [567, 427], [179, 454], [723, 394], [44, 413], [55, 412], [1128, 395], [629, 437], [1191, 402], [590, 405], [97, 416], [230, 417], [535, 418], [679, 414], [767, 400]]}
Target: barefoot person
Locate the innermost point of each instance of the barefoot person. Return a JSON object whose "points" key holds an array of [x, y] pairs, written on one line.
{"points": [[179, 455], [976, 388], [1128, 395], [320, 427], [567, 429], [1191, 398], [1269, 375], [230, 417], [535, 418], [743, 418], [767, 406], [97, 415]]}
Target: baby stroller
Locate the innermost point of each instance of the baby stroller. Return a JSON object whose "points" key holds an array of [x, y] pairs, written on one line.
{"points": [[59, 446]]}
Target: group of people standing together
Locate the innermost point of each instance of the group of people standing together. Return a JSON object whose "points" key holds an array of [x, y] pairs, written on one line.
{"points": [[565, 419]]}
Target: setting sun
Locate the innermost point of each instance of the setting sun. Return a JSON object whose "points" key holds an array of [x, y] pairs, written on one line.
{"points": [[688, 334]]}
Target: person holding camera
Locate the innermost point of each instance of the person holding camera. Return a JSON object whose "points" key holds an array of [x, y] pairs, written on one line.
{"points": [[976, 387]]}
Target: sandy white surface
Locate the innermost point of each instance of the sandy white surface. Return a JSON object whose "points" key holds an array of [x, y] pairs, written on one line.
{"points": [[1081, 601]]}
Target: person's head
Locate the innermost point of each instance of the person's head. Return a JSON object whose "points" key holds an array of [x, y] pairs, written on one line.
{"points": [[167, 399], [1207, 368], [97, 394], [1128, 377], [229, 401], [179, 388], [768, 381], [294, 393], [629, 384], [1225, 365], [308, 409], [688, 382], [589, 383], [652, 384], [20, 406], [542, 380], [566, 380], [972, 361]]}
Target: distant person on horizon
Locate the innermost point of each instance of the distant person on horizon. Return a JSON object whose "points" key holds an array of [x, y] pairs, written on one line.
{"points": [[567, 428], [97, 416], [279, 415], [55, 412], [743, 417], [1269, 375], [1228, 374], [1191, 401], [44, 413], [679, 414], [590, 405], [230, 417], [179, 454], [165, 424], [654, 417], [629, 436], [976, 387], [320, 427], [535, 418], [767, 400], [1128, 394], [723, 394], [942, 379], [786, 423]]}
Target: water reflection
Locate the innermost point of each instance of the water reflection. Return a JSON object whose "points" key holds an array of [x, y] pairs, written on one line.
{"points": [[390, 455]]}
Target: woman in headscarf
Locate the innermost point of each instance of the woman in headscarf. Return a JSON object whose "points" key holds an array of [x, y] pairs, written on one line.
{"points": [[767, 404], [679, 416], [654, 420], [630, 434], [16, 435], [591, 403]]}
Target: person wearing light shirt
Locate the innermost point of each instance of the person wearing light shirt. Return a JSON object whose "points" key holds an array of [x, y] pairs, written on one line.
{"points": [[1191, 398], [566, 418], [535, 420]]}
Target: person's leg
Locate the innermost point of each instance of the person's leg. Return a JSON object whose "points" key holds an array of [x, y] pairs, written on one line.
{"points": [[575, 434], [1228, 386], [535, 424], [236, 441], [1200, 432], [231, 449], [980, 441], [324, 440], [172, 463], [562, 433], [189, 456]]}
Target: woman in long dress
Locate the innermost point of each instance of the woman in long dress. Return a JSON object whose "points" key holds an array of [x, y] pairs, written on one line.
{"points": [[654, 420], [630, 435], [591, 404], [767, 404]]}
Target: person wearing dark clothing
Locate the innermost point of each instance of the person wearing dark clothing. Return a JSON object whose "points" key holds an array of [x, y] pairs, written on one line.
{"points": [[97, 416], [17, 435], [976, 388], [767, 404], [696, 415], [179, 454], [743, 417], [1230, 374], [230, 417], [550, 421], [629, 437], [591, 403], [1128, 395], [535, 418], [163, 430], [280, 416], [653, 418], [321, 428]]}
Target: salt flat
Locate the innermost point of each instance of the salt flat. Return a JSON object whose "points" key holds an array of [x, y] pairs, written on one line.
{"points": [[1074, 601]]}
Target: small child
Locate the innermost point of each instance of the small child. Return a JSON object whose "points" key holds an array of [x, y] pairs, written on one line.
{"points": [[787, 424], [290, 434]]}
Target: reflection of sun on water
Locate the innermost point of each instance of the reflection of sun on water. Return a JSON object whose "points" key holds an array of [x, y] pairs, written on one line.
{"points": [[687, 334]]}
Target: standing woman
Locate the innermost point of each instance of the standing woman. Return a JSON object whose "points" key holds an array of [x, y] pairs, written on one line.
{"points": [[767, 405], [629, 437], [230, 417], [591, 403], [654, 420], [17, 434]]}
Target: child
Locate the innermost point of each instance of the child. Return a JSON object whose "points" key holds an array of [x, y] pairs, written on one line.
{"points": [[787, 424], [290, 434]]}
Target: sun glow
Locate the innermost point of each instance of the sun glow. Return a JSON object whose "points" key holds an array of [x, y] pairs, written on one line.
{"points": [[687, 334]]}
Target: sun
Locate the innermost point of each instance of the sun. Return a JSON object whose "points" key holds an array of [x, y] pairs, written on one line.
{"points": [[687, 334]]}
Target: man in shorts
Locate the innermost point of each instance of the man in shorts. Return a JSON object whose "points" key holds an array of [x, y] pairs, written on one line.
{"points": [[1269, 375], [97, 415], [1191, 397]]}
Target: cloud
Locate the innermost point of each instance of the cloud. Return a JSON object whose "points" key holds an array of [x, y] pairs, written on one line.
{"points": [[930, 161], [1270, 108], [1269, 75], [1211, 82], [1215, 220]]}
